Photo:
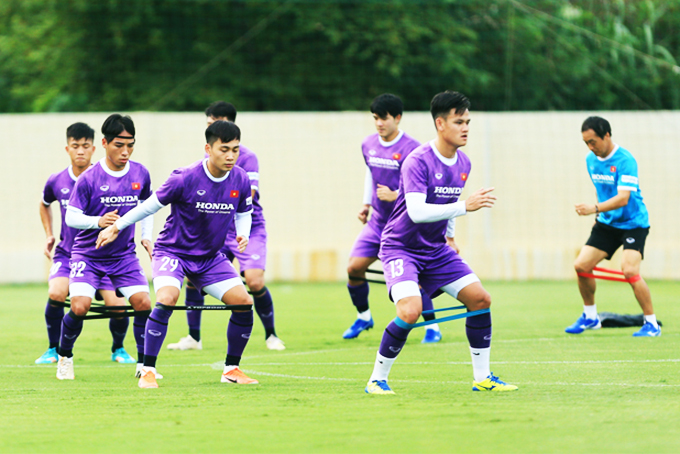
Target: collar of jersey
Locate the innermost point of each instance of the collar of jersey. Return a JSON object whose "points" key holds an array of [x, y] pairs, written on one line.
{"points": [[71, 174], [207, 172], [611, 155], [393, 141], [114, 173], [446, 161]]}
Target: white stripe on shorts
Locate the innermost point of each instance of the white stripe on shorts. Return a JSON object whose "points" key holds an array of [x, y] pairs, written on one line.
{"points": [[455, 287], [81, 289], [404, 289], [218, 289], [132, 290]]}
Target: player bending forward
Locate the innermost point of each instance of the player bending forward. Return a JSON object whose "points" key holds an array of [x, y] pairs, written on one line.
{"points": [[206, 198], [418, 248]]}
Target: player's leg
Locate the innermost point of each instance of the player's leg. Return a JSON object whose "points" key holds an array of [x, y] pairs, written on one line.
{"points": [[469, 291], [167, 293], [118, 326], [54, 313], [358, 292], [432, 332], [71, 327], [232, 292], [264, 306], [630, 265], [193, 340], [587, 259], [409, 307]]}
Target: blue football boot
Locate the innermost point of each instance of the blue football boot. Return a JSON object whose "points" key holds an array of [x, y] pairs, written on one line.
{"points": [[357, 327], [378, 387], [583, 324], [432, 336], [49, 357], [121, 356], [648, 330]]}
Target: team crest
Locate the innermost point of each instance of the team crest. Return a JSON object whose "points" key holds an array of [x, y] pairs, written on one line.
{"points": [[136, 186], [104, 188], [64, 190], [233, 193], [612, 169], [463, 176], [438, 176], [200, 192], [396, 156], [371, 152]]}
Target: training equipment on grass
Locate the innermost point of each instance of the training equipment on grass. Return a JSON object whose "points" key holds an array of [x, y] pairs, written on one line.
{"points": [[610, 278], [102, 311], [375, 281]]}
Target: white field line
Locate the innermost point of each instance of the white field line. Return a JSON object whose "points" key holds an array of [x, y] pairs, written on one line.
{"points": [[420, 363]]}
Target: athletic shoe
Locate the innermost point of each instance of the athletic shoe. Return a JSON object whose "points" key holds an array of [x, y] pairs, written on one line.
{"points": [[138, 372], [378, 387], [65, 368], [186, 343], [236, 376], [274, 343], [648, 330], [121, 356], [357, 327], [583, 324], [49, 357], [148, 379], [492, 383], [432, 336]]}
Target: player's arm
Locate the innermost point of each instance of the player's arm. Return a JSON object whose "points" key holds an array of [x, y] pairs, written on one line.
{"points": [[421, 212], [78, 220], [368, 197], [616, 202], [141, 211], [46, 219], [451, 234], [243, 222]]}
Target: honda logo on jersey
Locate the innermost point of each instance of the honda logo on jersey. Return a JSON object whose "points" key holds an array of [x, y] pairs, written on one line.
{"points": [[233, 193], [136, 186]]}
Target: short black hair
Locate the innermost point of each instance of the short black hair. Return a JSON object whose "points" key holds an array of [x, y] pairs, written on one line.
{"points": [[221, 109], [598, 124], [226, 131], [442, 103], [116, 124], [387, 103], [79, 131]]}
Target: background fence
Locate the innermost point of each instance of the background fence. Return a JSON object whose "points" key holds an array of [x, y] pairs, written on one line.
{"points": [[312, 174]]}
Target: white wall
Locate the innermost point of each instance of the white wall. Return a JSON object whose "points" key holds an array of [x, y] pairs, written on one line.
{"points": [[312, 172]]}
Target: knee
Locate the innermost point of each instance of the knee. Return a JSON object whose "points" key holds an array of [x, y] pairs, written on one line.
{"points": [[630, 271], [582, 267], [483, 301], [57, 295], [243, 300], [142, 304], [79, 309], [409, 313], [255, 284]]}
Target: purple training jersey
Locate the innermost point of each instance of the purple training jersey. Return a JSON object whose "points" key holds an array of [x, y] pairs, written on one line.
{"points": [[100, 190], [425, 171], [59, 187], [203, 208], [384, 160]]}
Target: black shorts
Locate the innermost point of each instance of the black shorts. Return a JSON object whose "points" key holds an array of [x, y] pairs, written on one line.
{"points": [[608, 239]]}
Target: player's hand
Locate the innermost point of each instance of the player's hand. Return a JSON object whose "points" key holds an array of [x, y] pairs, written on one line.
{"points": [[148, 245], [480, 199], [386, 194], [452, 244], [585, 209], [109, 218], [106, 236], [49, 244], [242, 243], [363, 214]]}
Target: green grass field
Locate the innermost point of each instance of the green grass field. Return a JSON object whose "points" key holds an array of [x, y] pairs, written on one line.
{"points": [[602, 391]]}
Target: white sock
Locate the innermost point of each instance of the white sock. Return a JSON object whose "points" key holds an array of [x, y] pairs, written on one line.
{"points": [[433, 326], [146, 369], [382, 368], [590, 311], [652, 319], [229, 369], [480, 363], [365, 315]]}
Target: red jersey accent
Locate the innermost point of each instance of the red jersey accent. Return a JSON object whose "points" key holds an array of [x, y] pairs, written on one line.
{"points": [[233, 194], [136, 186], [463, 176], [612, 169], [396, 156]]}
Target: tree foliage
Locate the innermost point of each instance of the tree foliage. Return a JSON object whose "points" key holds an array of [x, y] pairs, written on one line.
{"points": [[180, 55]]}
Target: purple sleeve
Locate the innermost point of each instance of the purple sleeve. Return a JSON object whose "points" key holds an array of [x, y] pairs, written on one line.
{"points": [[252, 167], [414, 175], [171, 190], [82, 194], [48, 192], [245, 202], [146, 187]]}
